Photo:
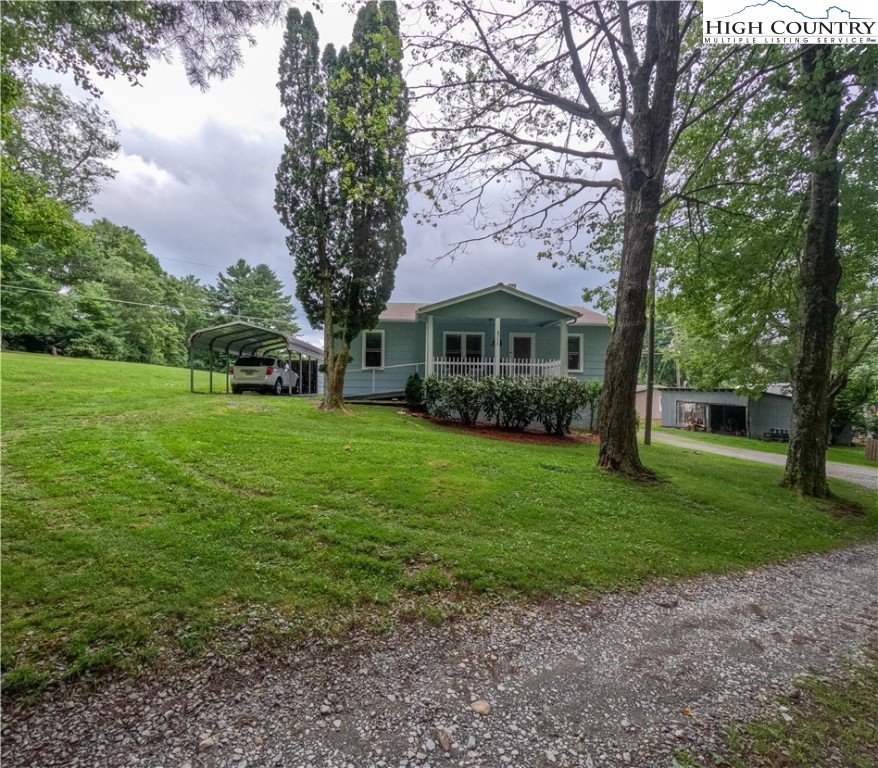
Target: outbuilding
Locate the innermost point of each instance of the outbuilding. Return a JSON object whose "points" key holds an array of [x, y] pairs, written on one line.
{"points": [[724, 411], [241, 339]]}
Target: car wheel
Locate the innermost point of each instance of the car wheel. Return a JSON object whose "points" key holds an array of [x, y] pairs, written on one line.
{"points": [[278, 387], [236, 391]]}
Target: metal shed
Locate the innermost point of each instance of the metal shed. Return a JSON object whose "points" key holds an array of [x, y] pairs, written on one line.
{"points": [[242, 339]]}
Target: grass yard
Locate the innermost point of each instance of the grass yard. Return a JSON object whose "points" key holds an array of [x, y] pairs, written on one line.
{"points": [[142, 522], [841, 453]]}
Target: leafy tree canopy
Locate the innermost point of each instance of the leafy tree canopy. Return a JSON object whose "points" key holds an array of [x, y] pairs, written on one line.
{"points": [[109, 39], [64, 143]]}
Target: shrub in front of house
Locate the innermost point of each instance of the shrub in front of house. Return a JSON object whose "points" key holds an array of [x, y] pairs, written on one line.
{"points": [[460, 395], [433, 397], [516, 402], [558, 402], [489, 397], [414, 392]]}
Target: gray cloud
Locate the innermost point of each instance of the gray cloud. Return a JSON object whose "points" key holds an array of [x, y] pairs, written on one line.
{"points": [[205, 201]]}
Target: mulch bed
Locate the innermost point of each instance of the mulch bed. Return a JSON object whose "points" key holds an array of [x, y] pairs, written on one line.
{"points": [[498, 433]]}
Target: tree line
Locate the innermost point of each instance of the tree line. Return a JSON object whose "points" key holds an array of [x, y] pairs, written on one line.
{"points": [[95, 290]]}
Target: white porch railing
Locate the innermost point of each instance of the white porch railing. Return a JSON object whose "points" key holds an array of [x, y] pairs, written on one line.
{"points": [[444, 367]]}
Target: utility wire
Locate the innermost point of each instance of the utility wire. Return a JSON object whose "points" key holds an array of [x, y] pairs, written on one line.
{"points": [[4, 286]]}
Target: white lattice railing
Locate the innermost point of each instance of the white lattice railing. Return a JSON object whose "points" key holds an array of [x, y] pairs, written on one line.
{"points": [[444, 367]]}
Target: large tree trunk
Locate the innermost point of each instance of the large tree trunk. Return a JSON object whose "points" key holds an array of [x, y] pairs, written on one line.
{"points": [[333, 396], [819, 276], [617, 413], [643, 172], [335, 356]]}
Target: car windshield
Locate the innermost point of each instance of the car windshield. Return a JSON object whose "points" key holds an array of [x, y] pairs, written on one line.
{"points": [[259, 361]]}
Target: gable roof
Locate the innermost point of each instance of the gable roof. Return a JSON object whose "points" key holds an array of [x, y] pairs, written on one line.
{"points": [[499, 288], [412, 311]]}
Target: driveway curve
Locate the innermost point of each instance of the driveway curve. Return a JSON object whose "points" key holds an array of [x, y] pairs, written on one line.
{"points": [[622, 681], [865, 476]]}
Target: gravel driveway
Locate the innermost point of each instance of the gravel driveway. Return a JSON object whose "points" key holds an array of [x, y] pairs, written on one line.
{"points": [[621, 681], [866, 476]]}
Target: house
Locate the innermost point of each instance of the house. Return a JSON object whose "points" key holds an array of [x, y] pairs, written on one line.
{"points": [[498, 330], [721, 410]]}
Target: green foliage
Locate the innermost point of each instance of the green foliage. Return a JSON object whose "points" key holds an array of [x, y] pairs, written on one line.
{"points": [[111, 38], [340, 190], [254, 294], [124, 530], [63, 143], [433, 401], [852, 404], [593, 390], [510, 401], [460, 398], [557, 402], [735, 233], [414, 392]]}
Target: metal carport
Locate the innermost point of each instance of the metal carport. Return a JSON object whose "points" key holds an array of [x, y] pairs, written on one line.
{"points": [[244, 339]]}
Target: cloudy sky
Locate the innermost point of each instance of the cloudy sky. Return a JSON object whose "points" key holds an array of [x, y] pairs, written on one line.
{"points": [[196, 181]]}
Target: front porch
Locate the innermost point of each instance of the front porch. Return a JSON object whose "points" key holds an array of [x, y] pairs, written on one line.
{"points": [[479, 368]]}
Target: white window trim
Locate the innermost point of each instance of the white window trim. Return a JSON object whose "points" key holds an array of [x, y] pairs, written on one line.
{"points": [[446, 334], [578, 337], [533, 344], [383, 349]]}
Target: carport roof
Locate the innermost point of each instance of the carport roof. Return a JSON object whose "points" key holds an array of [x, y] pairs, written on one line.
{"points": [[240, 339]]}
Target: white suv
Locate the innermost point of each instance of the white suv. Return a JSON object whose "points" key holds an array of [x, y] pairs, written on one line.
{"points": [[263, 374]]}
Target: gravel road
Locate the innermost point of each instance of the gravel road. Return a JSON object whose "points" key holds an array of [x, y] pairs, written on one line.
{"points": [[621, 681], [866, 476]]}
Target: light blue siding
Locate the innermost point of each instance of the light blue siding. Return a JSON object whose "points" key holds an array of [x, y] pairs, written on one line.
{"points": [[404, 345], [498, 304], [595, 340]]}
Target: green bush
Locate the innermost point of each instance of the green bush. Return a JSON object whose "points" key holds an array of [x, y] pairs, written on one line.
{"points": [[516, 404], [414, 392], [509, 403], [558, 402], [461, 397], [488, 394], [593, 391], [433, 397]]}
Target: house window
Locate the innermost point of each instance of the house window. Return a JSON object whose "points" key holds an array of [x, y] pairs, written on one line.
{"points": [[574, 354], [373, 349], [464, 346]]}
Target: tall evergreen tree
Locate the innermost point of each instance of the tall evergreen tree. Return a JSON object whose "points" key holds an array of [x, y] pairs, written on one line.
{"points": [[340, 189], [254, 294]]}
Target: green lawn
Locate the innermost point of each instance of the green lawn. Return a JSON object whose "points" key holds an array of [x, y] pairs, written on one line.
{"points": [[140, 520], [840, 453]]}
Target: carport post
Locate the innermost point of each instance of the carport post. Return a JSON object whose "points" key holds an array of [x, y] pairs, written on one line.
{"points": [[290, 367], [227, 366], [211, 369], [300, 374], [191, 370]]}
